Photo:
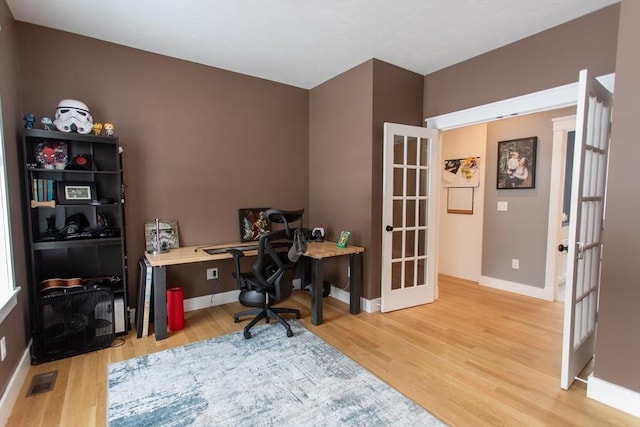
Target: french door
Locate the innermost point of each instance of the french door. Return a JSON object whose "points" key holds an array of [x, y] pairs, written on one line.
{"points": [[409, 217], [585, 232]]}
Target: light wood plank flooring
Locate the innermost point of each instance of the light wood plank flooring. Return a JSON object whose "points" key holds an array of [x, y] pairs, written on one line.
{"points": [[476, 357]]}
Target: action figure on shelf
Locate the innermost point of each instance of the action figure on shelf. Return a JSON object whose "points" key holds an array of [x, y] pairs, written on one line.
{"points": [[47, 123], [97, 128], [29, 120], [108, 129], [52, 232]]}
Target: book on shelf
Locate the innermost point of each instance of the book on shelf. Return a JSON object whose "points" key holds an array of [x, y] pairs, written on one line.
{"points": [[42, 189]]}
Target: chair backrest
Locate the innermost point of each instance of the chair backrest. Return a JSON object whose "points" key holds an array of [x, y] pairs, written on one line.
{"points": [[272, 267]]}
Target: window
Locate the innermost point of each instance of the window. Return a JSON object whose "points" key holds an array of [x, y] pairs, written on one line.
{"points": [[8, 290]]}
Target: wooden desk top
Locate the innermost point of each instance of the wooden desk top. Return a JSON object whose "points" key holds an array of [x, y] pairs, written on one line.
{"points": [[190, 254], [328, 249]]}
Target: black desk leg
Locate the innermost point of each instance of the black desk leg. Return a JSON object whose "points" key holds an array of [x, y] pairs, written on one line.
{"points": [[355, 266], [160, 302], [317, 281]]}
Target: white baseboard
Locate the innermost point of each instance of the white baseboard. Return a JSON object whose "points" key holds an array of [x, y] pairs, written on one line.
{"points": [[206, 301], [366, 305], [613, 395], [517, 288], [221, 298], [15, 384]]}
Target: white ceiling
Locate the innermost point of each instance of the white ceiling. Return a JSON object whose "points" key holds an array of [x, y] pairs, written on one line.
{"points": [[306, 42]]}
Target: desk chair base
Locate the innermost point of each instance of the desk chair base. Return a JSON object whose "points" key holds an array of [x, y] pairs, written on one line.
{"points": [[267, 313]]}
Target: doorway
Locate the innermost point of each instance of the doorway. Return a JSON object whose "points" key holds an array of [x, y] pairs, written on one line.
{"points": [[543, 101]]}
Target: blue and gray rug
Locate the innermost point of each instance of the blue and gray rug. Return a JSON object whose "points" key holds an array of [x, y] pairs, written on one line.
{"points": [[268, 380]]}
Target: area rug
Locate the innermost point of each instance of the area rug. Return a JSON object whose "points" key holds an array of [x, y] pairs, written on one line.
{"points": [[268, 380]]}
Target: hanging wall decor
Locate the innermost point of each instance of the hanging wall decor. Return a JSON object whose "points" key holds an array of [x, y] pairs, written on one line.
{"points": [[517, 163], [461, 172]]}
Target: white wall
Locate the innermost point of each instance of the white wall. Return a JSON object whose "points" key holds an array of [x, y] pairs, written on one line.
{"points": [[460, 238]]}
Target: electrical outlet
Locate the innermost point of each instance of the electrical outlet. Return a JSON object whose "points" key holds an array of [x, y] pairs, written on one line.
{"points": [[212, 273], [515, 264], [3, 348]]}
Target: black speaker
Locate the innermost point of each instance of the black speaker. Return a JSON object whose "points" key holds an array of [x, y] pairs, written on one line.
{"points": [[73, 321]]}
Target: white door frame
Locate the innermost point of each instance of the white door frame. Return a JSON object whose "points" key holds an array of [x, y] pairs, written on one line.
{"points": [[545, 100], [561, 127]]}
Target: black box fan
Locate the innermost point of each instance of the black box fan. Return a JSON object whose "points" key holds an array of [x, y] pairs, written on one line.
{"points": [[72, 322]]}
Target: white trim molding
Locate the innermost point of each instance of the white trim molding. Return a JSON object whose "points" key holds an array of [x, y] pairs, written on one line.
{"points": [[613, 395], [211, 300], [366, 305], [206, 301], [517, 288], [10, 304], [544, 100], [12, 391]]}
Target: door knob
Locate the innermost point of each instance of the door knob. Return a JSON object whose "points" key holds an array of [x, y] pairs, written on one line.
{"points": [[563, 248], [389, 228]]}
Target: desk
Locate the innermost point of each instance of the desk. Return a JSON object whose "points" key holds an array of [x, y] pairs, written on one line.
{"points": [[316, 252]]}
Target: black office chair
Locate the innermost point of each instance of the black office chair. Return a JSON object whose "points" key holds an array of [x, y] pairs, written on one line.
{"points": [[271, 277]]}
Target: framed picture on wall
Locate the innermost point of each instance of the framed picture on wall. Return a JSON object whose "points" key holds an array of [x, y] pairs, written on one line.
{"points": [[253, 223], [517, 163]]}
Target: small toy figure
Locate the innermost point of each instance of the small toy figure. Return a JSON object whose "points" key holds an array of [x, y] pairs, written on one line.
{"points": [[97, 128], [108, 128], [29, 120], [46, 123]]}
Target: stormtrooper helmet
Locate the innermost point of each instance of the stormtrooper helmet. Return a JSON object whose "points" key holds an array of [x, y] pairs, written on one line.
{"points": [[73, 116]]}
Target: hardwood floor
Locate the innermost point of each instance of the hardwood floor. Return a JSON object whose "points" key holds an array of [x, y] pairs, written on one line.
{"points": [[476, 357]]}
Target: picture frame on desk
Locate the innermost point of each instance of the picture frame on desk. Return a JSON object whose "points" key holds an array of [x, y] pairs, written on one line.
{"points": [[169, 237], [343, 239], [76, 192], [253, 223]]}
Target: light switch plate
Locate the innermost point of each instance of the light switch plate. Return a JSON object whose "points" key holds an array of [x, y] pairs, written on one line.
{"points": [[503, 206]]}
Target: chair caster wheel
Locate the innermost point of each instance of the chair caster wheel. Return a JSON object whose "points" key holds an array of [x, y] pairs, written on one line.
{"points": [[298, 316], [289, 333], [247, 335]]}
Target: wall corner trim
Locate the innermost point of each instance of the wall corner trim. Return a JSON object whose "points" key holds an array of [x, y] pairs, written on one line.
{"points": [[613, 395]]}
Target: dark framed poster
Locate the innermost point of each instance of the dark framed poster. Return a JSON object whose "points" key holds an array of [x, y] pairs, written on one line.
{"points": [[517, 163]]}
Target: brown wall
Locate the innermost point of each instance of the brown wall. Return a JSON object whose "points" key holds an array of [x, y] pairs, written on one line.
{"points": [[230, 121], [199, 142], [340, 135], [15, 326], [545, 60], [347, 114], [618, 344], [397, 98]]}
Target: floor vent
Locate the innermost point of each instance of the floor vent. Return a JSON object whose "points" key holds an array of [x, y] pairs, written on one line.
{"points": [[42, 383]]}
